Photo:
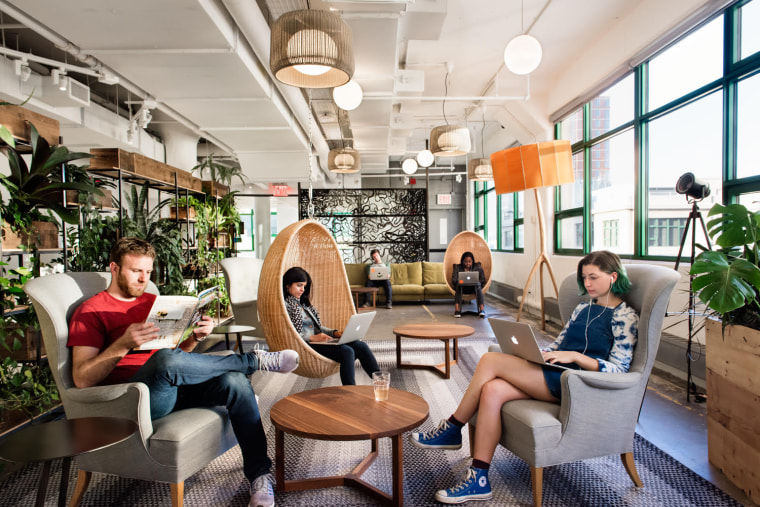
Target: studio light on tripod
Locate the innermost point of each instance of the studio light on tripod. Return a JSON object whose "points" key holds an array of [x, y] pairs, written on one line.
{"points": [[690, 186]]}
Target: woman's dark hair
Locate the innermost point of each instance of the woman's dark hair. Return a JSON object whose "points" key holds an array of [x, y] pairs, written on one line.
{"points": [[295, 275], [464, 256], [609, 263]]}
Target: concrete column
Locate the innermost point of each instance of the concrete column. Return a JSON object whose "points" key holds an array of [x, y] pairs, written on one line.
{"points": [[181, 146]]}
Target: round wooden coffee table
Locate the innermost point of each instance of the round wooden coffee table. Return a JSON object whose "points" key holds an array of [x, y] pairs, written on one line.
{"points": [[65, 439], [432, 331], [347, 413]]}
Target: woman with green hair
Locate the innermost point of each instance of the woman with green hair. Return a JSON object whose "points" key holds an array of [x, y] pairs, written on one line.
{"points": [[600, 336]]}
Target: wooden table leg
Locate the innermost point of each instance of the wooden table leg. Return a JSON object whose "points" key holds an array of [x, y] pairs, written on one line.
{"points": [[63, 493], [240, 343], [42, 488], [279, 459], [398, 351], [456, 349], [398, 470], [374, 299], [446, 359]]}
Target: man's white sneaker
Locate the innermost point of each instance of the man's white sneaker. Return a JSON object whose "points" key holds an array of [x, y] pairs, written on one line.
{"points": [[262, 491], [283, 361]]}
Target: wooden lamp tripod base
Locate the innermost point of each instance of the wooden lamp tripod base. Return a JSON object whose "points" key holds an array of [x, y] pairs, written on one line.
{"points": [[542, 260]]}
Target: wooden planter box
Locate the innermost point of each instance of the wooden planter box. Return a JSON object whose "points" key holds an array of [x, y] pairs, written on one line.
{"points": [[17, 120], [215, 189], [181, 213], [733, 404], [104, 201], [28, 350], [111, 158], [188, 181], [45, 236], [153, 169]]}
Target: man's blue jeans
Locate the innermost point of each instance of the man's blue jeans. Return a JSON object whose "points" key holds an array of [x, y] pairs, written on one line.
{"points": [[386, 286], [179, 380]]}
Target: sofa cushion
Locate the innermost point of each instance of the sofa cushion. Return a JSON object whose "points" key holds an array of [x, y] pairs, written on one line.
{"points": [[432, 272], [437, 291], [356, 273], [407, 273]]}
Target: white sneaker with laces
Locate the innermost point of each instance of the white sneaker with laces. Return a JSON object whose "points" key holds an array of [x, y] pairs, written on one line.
{"points": [[283, 361], [262, 491]]}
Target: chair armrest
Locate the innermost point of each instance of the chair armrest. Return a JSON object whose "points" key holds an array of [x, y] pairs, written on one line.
{"points": [[129, 400], [594, 395]]}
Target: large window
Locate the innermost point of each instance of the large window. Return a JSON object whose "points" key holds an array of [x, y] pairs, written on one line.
{"points": [[499, 218], [696, 109]]}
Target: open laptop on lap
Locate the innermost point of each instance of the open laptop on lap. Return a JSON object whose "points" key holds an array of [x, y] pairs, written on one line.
{"points": [[356, 329], [469, 278], [517, 339], [379, 273]]}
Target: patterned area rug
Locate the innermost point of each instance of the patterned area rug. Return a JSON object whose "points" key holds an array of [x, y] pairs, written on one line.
{"points": [[596, 482]]}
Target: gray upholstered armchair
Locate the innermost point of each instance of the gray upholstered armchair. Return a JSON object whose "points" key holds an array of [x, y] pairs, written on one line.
{"points": [[168, 449], [598, 413], [241, 277]]}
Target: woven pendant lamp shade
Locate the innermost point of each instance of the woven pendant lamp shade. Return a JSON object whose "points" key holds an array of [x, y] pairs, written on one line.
{"points": [[449, 141], [479, 169], [311, 49], [344, 160]]}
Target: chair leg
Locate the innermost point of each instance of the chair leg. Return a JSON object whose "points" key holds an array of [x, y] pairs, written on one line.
{"points": [[471, 432], [537, 484], [630, 467], [83, 480], [178, 494]]}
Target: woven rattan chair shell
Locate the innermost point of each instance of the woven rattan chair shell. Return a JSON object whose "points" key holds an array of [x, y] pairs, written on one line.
{"points": [[309, 245], [467, 241]]}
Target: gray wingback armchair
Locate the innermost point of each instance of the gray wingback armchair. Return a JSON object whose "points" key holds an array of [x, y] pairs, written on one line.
{"points": [[598, 412], [241, 277], [168, 449]]}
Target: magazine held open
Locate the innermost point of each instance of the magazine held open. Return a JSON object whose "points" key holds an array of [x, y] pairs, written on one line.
{"points": [[176, 317]]}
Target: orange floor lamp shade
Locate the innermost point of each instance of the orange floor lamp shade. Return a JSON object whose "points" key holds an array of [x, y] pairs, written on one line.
{"points": [[534, 166]]}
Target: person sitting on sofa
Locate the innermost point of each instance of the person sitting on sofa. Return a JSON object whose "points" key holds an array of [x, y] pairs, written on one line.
{"points": [[467, 263], [296, 287], [385, 284]]}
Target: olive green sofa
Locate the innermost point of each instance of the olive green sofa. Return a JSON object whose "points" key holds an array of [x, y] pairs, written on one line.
{"points": [[410, 281]]}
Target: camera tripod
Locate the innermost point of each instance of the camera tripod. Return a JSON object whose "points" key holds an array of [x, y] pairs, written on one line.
{"points": [[694, 215]]}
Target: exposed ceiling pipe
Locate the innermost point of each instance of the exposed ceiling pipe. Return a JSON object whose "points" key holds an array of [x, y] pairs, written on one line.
{"points": [[251, 23], [97, 65]]}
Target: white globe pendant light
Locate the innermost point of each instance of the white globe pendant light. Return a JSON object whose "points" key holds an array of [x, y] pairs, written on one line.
{"points": [[523, 54], [425, 158], [348, 96], [409, 166]]}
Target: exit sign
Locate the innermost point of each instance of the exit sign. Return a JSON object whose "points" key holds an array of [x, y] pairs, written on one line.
{"points": [[444, 198]]}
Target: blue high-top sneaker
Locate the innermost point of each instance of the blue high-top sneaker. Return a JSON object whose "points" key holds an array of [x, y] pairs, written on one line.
{"points": [[474, 486], [445, 436]]}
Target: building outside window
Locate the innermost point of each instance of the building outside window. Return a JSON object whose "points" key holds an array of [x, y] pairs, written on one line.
{"points": [[677, 112], [499, 218]]}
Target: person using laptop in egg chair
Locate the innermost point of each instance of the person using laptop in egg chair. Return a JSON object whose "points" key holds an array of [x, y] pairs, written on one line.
{"points": [[467, 263], [296, 287], [385, 284], [599, 336]]}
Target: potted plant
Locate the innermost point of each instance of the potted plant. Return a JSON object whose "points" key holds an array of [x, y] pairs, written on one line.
{"points": [[218, 173], [37, 186], [728, 282]]}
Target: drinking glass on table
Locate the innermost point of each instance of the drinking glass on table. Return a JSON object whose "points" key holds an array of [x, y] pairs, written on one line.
{"points": [[381, 381]]}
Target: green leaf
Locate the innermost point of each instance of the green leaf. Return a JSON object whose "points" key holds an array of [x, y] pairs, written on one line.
{"points": [[7, 137], [722, 285]]}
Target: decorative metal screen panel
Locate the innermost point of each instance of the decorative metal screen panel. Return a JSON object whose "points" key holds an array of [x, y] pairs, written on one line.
{"points": [[392, 220]]}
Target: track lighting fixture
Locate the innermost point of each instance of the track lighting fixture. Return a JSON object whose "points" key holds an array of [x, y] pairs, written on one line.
{"points": [[59, 78], [22, 69]]}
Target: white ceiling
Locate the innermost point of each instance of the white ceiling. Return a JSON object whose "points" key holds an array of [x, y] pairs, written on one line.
{"points": [[206, 62]]}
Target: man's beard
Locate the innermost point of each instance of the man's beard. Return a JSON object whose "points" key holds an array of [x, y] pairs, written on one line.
{"points": [[131, 291]]}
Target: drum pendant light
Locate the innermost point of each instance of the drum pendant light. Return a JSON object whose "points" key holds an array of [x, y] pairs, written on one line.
{"points": [[449, 140], [311, 49], [343, 160]]}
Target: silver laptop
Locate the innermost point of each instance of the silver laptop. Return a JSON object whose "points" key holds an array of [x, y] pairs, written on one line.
{"points": [[379, 272], [356, 329], [469, 277], [517, 339]]}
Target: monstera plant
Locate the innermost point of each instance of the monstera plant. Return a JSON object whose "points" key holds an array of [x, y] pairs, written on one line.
{"points": [[727, 280]]}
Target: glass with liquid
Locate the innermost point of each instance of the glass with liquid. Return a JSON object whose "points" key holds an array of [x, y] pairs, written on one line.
{"points": [[381, 382]]}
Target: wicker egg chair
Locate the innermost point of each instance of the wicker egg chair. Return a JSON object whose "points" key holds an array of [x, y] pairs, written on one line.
{"points": [[309, 245], [467, 241]]}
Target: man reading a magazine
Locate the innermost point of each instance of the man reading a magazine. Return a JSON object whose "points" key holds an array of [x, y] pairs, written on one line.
{"points": [[105, 328]]}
